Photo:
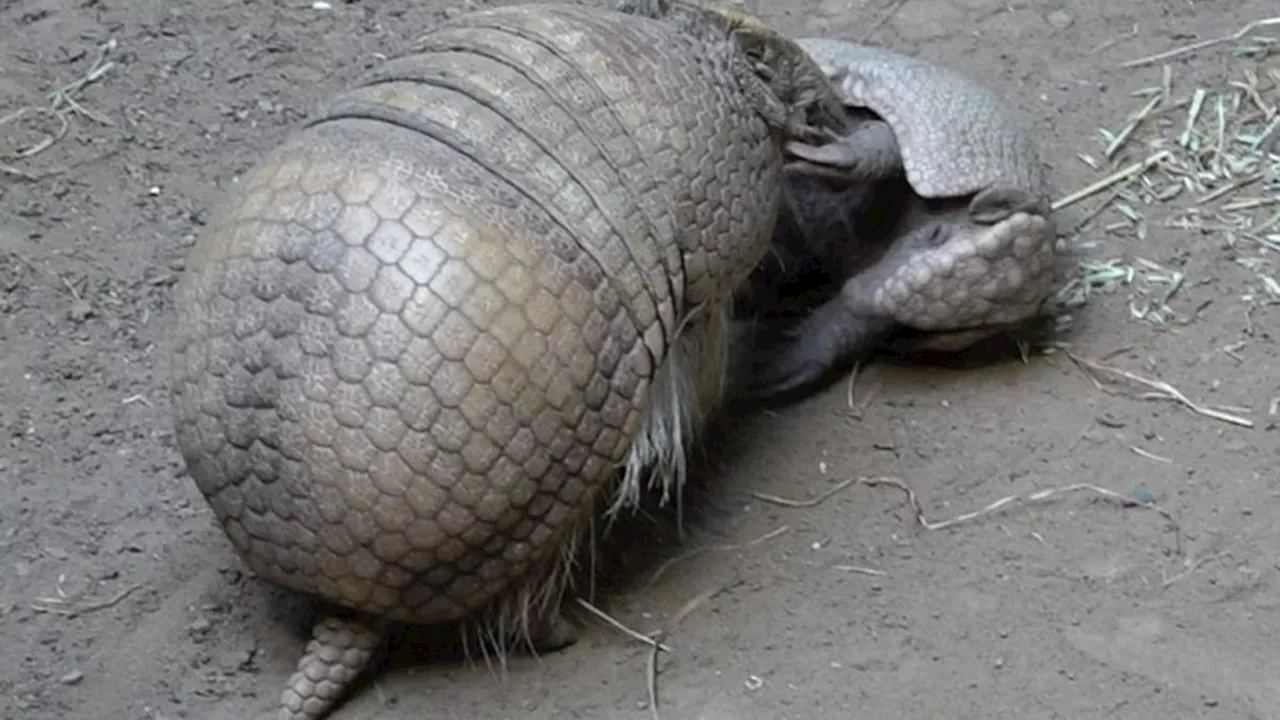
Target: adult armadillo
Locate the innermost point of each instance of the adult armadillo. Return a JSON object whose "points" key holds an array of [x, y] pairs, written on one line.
{"points": [[931, 213], [424, 334]]}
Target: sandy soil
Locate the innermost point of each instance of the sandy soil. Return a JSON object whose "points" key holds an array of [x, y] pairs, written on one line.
{"points": [[1076, 607]]}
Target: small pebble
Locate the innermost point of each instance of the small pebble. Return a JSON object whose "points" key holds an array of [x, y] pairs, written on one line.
{"points": [[1093, 437], [80, 311], [1142, 495], [71, 678], [1109, 420], [1059, 19]]}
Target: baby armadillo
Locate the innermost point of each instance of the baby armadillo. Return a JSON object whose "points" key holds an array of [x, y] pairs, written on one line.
{"points": [[962, 243], [472, 303]]}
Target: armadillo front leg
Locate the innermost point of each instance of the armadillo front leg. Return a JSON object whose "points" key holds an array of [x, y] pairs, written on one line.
{"points": [[832, 335], [340, 649], [853, 324]]}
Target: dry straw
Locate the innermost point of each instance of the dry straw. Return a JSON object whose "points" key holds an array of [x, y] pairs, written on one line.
{"points": [[1208, 159]]}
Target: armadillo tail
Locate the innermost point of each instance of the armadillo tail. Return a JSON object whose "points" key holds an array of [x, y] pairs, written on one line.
{"points": [[340, 648]]}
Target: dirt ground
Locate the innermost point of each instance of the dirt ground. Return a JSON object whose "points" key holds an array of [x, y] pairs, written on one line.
{"points": [[1072, 607]]}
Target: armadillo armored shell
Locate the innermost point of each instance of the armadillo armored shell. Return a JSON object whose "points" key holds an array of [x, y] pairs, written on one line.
{"points": [[956, 136], [421, 335]]}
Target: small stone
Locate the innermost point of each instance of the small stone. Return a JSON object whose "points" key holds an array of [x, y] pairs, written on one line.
{"points": [[71, 678], [200, 626], [1059, 19], [1143, 495], [1108, 420], [917, 22], [80, 311]]}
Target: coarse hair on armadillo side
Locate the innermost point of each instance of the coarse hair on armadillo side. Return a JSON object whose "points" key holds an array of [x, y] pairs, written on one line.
{"points": [[513, 618], [686, 389]]}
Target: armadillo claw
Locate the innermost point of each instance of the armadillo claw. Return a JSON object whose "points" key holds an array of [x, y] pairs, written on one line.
{"points": [[799, 127], [340, 649], [993, 205], [817, 171]]}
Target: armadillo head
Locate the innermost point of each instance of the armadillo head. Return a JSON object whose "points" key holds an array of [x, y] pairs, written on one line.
{"points": [[955, 272], [960, 280]]}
